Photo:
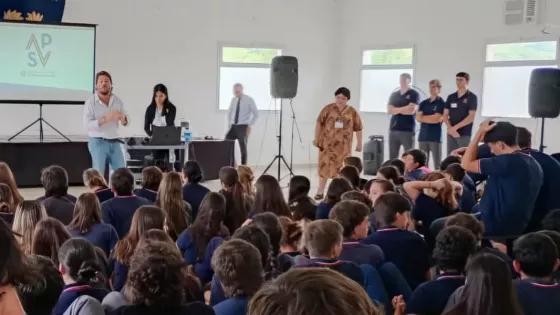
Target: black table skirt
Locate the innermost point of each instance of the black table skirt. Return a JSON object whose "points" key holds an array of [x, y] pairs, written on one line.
{"points": [[27, 159]]}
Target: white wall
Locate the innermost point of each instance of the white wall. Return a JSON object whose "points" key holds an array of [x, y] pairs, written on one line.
{"points": [[449, 36], [175, 42]]}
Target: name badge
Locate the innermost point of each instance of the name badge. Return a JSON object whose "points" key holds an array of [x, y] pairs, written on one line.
{"points": [[453, 105], [338, 124]]}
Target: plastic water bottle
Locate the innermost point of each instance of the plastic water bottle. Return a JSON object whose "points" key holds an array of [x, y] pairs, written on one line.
{"points": [[185, 128]]}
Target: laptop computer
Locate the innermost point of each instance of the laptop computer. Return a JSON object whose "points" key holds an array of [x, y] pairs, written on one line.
{"points": [[169, 135]]}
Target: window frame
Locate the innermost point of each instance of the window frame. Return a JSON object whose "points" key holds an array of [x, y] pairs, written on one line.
{"points": [[513, 64], [385, 67], [221, 63]]}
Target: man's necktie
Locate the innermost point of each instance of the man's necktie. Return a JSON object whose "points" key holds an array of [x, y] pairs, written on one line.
{"points": [[237, 112]]}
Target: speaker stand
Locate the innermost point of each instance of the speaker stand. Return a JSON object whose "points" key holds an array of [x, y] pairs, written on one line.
{"points": [[279, 157], [542, 146]]}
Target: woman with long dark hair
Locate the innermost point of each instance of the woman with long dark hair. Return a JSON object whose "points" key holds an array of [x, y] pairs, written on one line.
{"points": [[160, 113], [7, 206], [48, 237], [269, 197], [193, 191], [236, 204], [88, 223], [170, 200], [7, 177], [337, 188], [302, 207]]}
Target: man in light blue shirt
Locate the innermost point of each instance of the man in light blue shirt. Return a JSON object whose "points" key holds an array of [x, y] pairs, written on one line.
{"points": [[103, 112], [242, 114]]}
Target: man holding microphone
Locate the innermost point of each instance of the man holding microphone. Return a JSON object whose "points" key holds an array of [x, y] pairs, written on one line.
{"points": [[103, 112]]}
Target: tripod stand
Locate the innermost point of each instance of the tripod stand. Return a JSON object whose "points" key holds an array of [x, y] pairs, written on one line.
{"points": [[542, 146], [294, 124], [279, 157]]}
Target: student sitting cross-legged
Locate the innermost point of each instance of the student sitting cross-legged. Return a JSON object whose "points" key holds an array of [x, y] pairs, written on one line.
{"points": [[238, 265], [536, 258], [454, 245], [407, 250]]}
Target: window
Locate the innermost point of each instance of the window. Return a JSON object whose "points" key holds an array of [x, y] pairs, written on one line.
{"points": [[507, 72], [250, 67], [381, 69]]}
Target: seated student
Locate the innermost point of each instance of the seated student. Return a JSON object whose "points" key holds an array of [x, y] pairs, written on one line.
{"points": [[551, 222], [119, 211], [337, 187], [453, 247], [151, 178], [393, 175], [27, 216], [48, 236], [238, 265], [323, 240], [464, 196], [357, 163], [353, 216], [555, 236], [407, 250], [397, 163], [246, 179], [58, 203], [269, 197], [40, 297], [296, 293], [514, 179], [81, 273], [193, 191], [97, 184], [7, 206], [414, 164], [468, 183], [145, 219], [87, 223], [178, 212], [290, 245], [352, 174], [357, 196], [302, 207], [378, 187], [536, 258], [237, 205], [548, 198], [434, 199], [270, 224]]}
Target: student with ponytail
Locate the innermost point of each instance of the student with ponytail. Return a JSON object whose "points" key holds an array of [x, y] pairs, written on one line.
{"points": [[81, 273], [236, 203]]}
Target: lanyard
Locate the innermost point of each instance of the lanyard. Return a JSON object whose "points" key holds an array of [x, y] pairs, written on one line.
{"points": [[77, 288]]}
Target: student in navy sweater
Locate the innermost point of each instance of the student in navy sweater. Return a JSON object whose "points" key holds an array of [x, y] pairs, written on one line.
{"points": [[551, 221], [536, 258], [352, 174], [119, 211], [302, 207], [151, 178], [81, 272], [87, 223], [290, 246], [414, 164], [145, 219], [454, 245], [238, 265], [555, 236], [514, 179], [237, 207], [58, 203], [323, 240], [407, 250], [353, 216], [270, 224], [96, 183], [193, 191], [337, 187], [170, 200], [469, 188], [269, 197], [548, 198], [464, 196]]}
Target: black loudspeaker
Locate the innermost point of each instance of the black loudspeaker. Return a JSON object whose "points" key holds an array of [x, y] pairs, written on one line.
{"points": [[544, 93], [284, 77]]}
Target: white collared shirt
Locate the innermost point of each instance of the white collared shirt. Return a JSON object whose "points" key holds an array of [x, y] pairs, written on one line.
{"points": [[94, 109]]}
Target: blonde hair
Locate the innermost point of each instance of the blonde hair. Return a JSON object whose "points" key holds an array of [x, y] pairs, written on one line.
{"points": [[246, 178], [28, 214], [435, 82], [445, 196], [93, 178]]}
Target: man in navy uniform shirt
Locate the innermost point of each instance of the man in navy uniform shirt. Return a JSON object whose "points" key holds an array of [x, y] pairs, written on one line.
{"points": [[459, 113], [429, 115], [514, 179], [401, 107]]}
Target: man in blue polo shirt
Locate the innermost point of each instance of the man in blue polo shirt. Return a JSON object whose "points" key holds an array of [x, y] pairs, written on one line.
{"points": [[429, 116], [514, 179], [401, 107], [459, 113]]}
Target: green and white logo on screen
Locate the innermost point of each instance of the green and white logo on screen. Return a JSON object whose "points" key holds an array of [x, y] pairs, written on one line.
{"points": [[38, 53]]}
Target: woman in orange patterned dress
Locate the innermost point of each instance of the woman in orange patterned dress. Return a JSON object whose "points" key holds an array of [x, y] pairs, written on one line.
{"points": [[334, 133]]}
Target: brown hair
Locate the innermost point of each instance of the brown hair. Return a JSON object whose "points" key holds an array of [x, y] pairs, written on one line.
{"points": [[87, 212], [14, 265], [209, 222], [170, 200], [103, 73], [435, 82], [296, 293], [291, 233], [354, 161], [7, 177], [321, 236], [151, 178], [6, 199], [350, 214], [387, 206], [93, 178], [246, 179], [236, 212], [466, 221], [357, 196], [49, 235], [269, 197], [337, 187], [385, 184], [445, 196], [352, 174], [238, 265], [155, 235], [28, 214], [55, 181], [392, 174], [144, 219]]}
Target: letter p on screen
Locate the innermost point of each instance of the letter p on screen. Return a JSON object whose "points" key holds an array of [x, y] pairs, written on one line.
{"points": [[46, 40]]}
